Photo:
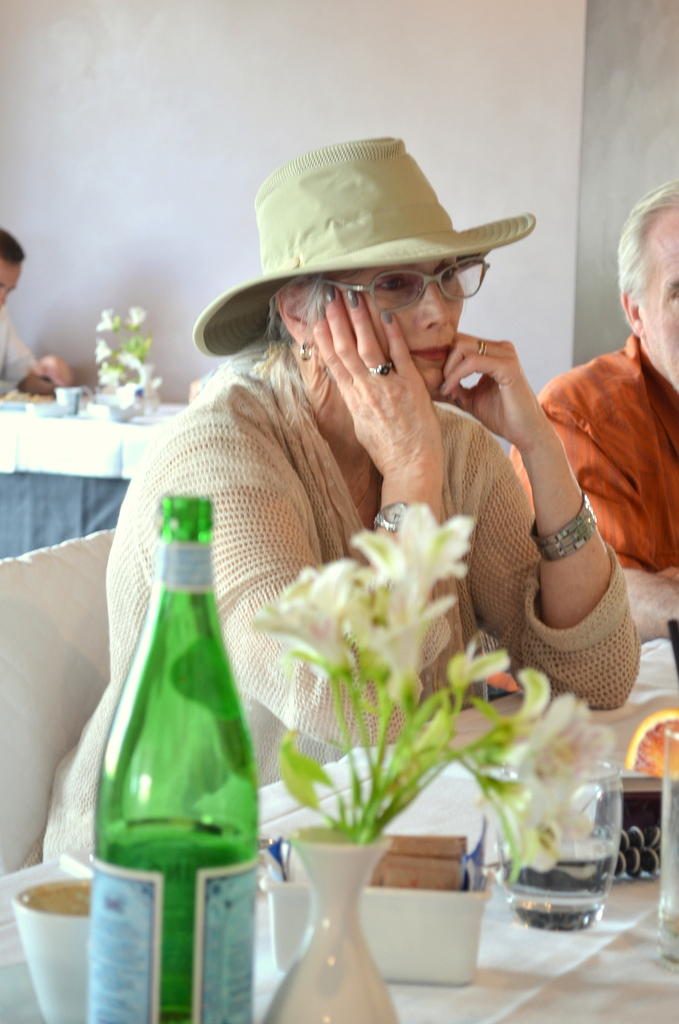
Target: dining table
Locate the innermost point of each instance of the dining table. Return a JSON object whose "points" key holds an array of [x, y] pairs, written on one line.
{"points": [[610, 972], [65, 477]]}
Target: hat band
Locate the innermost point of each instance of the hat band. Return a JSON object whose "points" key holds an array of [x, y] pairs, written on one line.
{"points": [[338, 239]]}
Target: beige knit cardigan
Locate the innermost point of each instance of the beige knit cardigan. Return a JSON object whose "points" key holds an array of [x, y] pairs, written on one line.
{"points": [[280, 503]]}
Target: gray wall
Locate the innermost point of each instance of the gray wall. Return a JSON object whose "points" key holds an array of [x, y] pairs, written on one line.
{"points": [[630, 145], [136, 133]]}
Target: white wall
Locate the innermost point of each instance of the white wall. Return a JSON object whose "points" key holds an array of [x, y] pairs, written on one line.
{"points": [[136, 134], [629, 146]]}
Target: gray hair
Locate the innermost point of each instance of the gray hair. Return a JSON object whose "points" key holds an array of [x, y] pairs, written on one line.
{"points": [[308, 291], [632, 256]]}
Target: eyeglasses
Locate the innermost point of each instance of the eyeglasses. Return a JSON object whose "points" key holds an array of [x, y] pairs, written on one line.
{"points": [[394, 290]]}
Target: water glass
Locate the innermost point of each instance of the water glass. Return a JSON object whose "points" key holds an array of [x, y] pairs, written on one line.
{"points": [[572, 894], [668, 918]]}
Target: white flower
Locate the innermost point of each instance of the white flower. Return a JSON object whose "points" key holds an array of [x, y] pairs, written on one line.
{"points": [[310, 616], [109, 376], [102, 351], [536, 694], [379, 615], [129, 361], [565, 743], [466, 667], [550, 763], [136, 316], [106, 322], [421, 552], [395, 631]]}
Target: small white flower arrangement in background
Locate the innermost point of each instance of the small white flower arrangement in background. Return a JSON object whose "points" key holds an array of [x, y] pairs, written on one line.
{"points": [[125, 364], [362, 628]]}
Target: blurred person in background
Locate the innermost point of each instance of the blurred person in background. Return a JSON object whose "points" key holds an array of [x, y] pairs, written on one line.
{"points": [[19, 369]]}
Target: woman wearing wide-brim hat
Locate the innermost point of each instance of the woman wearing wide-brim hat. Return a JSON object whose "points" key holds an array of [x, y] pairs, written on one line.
{"points": [[357, 411]]}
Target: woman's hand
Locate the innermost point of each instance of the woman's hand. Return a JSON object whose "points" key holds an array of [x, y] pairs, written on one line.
{"points": [[392, 414], [502, 399]]}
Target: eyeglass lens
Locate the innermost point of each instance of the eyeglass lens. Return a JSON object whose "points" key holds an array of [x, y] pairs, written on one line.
{"points": [[395, 289]]}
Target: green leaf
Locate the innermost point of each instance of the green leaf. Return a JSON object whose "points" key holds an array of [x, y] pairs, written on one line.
{"points": [[436, 734], [299, 772], [485, 708]]}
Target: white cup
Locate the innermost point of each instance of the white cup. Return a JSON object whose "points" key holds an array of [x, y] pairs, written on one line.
{"points": [[69, 398], [54, 925]]}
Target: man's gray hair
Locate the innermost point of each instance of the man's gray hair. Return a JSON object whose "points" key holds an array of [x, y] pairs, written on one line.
{"points": [[632, 261]]}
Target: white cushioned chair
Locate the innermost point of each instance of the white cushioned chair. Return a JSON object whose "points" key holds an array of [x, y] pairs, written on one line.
{"points": [[54, 667]]}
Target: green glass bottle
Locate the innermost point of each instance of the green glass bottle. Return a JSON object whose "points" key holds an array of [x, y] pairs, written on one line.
{"points": [[176, 826]]}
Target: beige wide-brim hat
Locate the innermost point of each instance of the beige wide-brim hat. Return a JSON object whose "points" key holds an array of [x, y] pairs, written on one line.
{"points": [[346, 207]]}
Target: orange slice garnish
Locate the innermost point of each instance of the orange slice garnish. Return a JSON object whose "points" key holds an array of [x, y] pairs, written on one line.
{"points": [[646, 752]]}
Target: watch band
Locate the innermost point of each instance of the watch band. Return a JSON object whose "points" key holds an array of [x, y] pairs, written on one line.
{"points": [[391, 516], [571, 538]]}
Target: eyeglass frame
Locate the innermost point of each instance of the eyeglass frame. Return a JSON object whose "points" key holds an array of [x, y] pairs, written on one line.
{"points": [[426, 279]]}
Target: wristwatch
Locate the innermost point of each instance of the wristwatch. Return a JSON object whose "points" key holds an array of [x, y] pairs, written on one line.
{"points": [[391, 516]]}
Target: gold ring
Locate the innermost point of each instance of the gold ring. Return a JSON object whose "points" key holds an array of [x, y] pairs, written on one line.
{"points": [[482, 347]]}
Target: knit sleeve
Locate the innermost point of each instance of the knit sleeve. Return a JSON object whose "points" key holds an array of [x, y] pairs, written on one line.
{"points": [[598, 658]]}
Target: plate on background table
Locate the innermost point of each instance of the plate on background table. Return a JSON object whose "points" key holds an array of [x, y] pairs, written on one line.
{"points": [[16, 401], [45, 410], [112, 413]]}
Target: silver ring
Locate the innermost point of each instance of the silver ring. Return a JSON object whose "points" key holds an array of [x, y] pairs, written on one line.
{"points": [[482, 347], [382, 370]]}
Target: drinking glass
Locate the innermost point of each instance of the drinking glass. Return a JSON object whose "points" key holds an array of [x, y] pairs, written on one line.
{"points": [[572, 894], [668, 917]]}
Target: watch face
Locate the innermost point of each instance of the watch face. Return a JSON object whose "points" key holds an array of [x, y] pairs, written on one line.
{"points": [[394, 514]]}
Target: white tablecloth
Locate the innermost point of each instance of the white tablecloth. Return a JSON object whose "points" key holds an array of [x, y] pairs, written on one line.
{"points": [[77, 445], [525, 976]]}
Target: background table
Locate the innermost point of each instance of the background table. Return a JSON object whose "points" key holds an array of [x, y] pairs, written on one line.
{"points": [[608, 973], [64, 478]]}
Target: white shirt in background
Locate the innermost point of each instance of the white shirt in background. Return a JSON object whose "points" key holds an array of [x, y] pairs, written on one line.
{"points": [[15, 359]]}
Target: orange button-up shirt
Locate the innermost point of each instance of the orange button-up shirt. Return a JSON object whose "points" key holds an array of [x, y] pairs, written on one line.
{"points": [[619, 421]]}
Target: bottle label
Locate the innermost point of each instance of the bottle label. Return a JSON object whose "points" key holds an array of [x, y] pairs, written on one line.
{"points": [[184, 565], [125, 951], [223, 944], [125, 948]]}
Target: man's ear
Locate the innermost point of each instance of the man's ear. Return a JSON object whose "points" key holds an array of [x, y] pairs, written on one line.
{"points": [[633, 313]]}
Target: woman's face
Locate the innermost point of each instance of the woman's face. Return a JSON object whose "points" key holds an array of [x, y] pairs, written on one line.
{"points": [[429, 326]]}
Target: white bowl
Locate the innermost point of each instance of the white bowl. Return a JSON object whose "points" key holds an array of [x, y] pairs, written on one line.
{"points": [[45, 409], [112, 413], [415, 935], [115, 399]]}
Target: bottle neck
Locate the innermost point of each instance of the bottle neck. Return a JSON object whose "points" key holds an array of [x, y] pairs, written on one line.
{"points": [[184, 566]]}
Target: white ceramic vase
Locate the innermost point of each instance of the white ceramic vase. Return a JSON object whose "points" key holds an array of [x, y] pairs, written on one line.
{"points": [[334, 978], [150, 397]]}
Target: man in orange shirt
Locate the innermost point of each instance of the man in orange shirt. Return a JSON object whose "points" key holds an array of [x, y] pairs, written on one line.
{"points": [[618, 417]]}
